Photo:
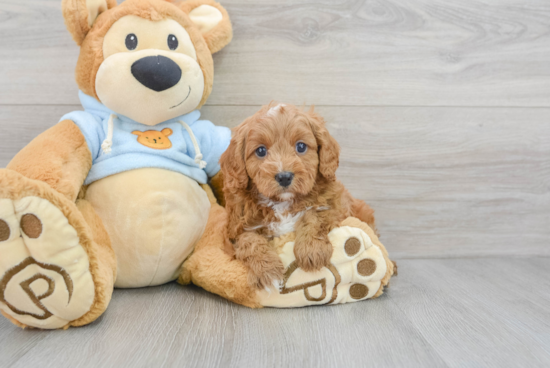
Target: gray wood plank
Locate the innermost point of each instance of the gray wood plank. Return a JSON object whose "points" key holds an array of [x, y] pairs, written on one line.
{"points": [[437, 313], [479, 312], [445, 182], [174, 326], [418, 52]]}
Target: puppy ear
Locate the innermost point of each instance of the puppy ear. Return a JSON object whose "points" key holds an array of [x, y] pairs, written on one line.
{"points": [[80, 15], [232, 161], [212, 21], [329, 149]]}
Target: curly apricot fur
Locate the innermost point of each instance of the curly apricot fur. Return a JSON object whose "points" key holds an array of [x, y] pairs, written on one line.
{"points": [[250, 184]]}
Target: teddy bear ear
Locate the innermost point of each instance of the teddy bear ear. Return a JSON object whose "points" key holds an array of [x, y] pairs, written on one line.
{"points": [[80, 15], [212, 21]]}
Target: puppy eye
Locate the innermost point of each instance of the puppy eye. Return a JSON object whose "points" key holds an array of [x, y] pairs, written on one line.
{"points": [[131, 41], [301, 147], [261, 151], [172, 42]]}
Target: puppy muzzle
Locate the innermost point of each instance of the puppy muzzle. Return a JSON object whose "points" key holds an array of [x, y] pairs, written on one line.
{"points": [[284, 178]]}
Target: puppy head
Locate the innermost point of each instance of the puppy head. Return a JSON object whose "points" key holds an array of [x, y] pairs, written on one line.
{"points": [[281, 150]]}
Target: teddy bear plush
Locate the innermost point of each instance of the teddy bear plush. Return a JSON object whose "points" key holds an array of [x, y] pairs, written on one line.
{"points": [[111, 196]]}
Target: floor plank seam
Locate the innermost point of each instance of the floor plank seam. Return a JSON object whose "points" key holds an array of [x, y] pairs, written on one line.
{"points": [[507, 256], [333, 106]]}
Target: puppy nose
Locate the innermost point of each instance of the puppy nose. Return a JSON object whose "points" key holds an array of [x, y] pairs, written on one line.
{"points": [[284, 178], [156, 72]]}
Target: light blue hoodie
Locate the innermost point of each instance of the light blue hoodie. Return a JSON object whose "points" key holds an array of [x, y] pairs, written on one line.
{"points": [[123, 152]]}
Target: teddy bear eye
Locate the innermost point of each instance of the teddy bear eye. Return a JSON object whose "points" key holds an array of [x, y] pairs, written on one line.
{"points": [[301, 147], [131, 41], [261, 151], [172, 42]]}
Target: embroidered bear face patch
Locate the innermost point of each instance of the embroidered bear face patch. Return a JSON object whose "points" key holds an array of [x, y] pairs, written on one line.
{"points": [[155, 139]]}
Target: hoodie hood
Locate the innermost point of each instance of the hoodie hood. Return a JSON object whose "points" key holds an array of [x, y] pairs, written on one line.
{"points": [[93, 106], [117, 143]]}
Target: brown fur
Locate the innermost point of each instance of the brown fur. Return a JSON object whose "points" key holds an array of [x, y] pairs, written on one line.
{"points": [[250, 180], [59, 157], [218, 37], [216, 184], [211, 268], [91, 53], [78, 25], [106, 268]]}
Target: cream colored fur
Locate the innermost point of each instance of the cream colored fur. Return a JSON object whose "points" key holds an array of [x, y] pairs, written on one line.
{"points": [[121, 92], [206, 17], [154, 218], [151, 217], [336, 281], [101, 259], [95, 7], [59, 245]]}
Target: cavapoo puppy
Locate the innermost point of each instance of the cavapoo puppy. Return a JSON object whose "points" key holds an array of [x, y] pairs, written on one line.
{"points": [[279, 173]]}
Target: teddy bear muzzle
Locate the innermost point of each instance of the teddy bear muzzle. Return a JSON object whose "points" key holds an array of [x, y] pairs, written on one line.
{"points": [[158, 73]]}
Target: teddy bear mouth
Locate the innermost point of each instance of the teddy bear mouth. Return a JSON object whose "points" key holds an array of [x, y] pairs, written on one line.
{"points": [[185, 99]]}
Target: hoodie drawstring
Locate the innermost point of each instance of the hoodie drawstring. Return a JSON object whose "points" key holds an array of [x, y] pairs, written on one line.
{"points": [[198, 157], [108, 142]]}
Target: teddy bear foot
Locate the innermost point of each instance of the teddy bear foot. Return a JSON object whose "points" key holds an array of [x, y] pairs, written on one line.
{"points": [[356, 273], [45, 277]]}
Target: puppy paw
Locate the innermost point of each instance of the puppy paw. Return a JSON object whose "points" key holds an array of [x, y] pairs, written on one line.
{"points": [[313, 254], [265, 272], [264, 265]]}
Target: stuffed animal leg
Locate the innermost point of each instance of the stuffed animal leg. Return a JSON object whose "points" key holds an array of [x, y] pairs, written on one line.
{"points": [[211, 265], [360, 268], [57, 267]]}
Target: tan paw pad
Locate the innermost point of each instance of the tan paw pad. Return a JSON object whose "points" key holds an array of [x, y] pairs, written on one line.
{"points": [[31, 225], [358, 291], [356, 270], [45, 280], [4, 231], [366, 267]]}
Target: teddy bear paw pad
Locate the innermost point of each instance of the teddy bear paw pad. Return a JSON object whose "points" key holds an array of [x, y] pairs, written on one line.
{"points": [[355, 273], [45, 278]]}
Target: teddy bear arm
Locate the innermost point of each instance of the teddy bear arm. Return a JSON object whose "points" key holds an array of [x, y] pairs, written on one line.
{"points": [[60, 157]]}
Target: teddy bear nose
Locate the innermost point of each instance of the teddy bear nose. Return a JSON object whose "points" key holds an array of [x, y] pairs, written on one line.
{"points": [[284, 178], [156, 72]]}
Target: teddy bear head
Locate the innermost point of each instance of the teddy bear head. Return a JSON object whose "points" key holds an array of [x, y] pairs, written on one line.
{"points": [[149, 60]]}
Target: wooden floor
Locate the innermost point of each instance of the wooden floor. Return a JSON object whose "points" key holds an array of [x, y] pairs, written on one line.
{"points": [[442, 109], [486, 312]]}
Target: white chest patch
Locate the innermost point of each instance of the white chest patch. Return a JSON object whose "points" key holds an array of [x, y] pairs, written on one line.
{"points": [[286, 221]]}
